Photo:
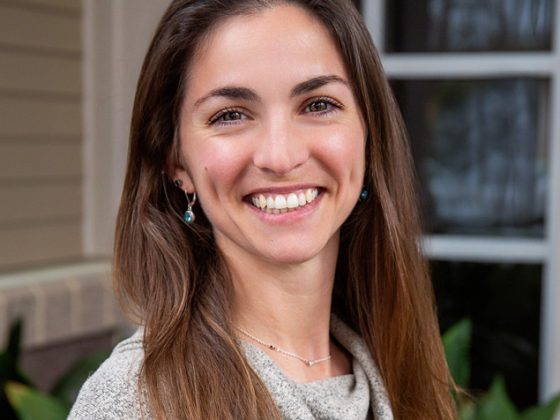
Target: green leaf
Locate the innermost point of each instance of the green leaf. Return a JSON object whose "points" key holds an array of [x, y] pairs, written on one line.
{"points": [[467, 411], [9, 358], [496, 403], [10, 372], [13, 347], [6, 409], [30, 404], [6, 367], [457, 343], [543, 412], [67, 387]]}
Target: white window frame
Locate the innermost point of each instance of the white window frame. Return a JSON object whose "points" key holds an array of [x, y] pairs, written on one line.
{"points": [[545, 251]]}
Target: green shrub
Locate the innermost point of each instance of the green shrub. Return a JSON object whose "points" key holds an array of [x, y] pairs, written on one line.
{"points": [[19, 399], [494, 404]]}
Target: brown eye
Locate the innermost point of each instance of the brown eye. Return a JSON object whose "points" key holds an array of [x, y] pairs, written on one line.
{"points": [[231, 116], [322, 106], [227, 117], [318, 106]]}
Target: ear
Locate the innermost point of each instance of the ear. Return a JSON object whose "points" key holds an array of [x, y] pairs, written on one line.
{"points": [[176, 168], [181, 174]]}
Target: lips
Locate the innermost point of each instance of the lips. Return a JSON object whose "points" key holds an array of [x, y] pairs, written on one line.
{"points": [[283, 203]]}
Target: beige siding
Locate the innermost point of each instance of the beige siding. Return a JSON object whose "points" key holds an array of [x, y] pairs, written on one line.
{"points": [[40, 203], [39, 74], [52, 32], [20, 246], [33, 160], [40, 131], [70, 6], [40, 119]]}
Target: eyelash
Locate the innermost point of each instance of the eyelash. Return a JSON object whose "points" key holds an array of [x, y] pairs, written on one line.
{"points": [[215, 119], [328, 101]]}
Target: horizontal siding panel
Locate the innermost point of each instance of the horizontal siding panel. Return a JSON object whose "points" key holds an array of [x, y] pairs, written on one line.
{"points": [[35, 203], [39, 74], [20, 161], [36, 29], [40, 132], [38, 244], [22, 117], [69, 5]]}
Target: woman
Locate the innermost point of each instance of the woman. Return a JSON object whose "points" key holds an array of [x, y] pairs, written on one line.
{"points": [[268, 187]]}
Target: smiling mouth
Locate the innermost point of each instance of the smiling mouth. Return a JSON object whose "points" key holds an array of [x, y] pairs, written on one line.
{"points": [[284, 203]]}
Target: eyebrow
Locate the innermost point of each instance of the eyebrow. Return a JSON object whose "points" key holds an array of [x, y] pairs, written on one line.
{"points": [[236, 92], [230, 92], [316, 83]]}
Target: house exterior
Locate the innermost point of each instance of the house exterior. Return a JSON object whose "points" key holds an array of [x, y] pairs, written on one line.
{"points": [[479, 86]]}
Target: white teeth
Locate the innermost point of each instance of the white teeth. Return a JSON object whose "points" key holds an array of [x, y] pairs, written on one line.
{"points": [[292, 201], [309, 195], [280, 203], [270, 203]]}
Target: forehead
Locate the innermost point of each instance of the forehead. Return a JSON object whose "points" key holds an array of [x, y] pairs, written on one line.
{"points": [[281, 44]]}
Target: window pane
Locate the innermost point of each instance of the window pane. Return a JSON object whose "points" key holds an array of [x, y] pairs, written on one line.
{"points": [[503, 302], [468, 25], [481, 153]]}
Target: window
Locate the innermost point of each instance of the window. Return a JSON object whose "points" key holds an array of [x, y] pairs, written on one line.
{"points": [[478, 83]]}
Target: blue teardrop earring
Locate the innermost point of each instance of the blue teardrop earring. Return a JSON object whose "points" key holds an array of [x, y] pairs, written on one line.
{"points": [[364, 194], [189, 216]]}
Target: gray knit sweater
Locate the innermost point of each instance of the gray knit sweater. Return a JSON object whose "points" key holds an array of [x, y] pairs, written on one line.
{"points": [[111, 392]]}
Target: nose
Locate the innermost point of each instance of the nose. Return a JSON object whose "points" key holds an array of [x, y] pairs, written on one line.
{"points": [[282, 147]]}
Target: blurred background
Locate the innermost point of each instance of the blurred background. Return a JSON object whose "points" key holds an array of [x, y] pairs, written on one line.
{"points": [[478, 82]]}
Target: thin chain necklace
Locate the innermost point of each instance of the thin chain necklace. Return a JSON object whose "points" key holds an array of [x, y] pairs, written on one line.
{"points": [[308, 362]]}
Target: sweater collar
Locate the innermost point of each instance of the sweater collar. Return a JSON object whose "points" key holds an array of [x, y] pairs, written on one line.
{"points": [[316, 399]]}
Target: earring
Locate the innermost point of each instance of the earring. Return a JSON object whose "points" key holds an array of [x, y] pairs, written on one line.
{"points": [[178, 183], [364, 194], [189, 216]]}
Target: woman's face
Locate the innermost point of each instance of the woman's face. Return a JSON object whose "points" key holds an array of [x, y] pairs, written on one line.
{"points": [[271, 137]]}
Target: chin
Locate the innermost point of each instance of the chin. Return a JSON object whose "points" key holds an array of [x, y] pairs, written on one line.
{"points": [[289, 259], [292, 255]]}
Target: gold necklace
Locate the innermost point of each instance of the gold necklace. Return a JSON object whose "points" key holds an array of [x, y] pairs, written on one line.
{"points": [[307, 362]]}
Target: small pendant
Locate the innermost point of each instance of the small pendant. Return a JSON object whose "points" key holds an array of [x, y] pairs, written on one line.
{"points": [[189, 216], [364, 195]]}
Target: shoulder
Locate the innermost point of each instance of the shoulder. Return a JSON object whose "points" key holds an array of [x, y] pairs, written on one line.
{"points": [[112, 391]]}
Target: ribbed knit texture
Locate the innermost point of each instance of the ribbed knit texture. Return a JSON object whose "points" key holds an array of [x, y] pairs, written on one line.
{"points": [[357, 396], [111, 393]]}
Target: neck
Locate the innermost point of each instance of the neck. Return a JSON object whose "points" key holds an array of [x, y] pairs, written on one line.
{"points": [[284, 311], [286, 305]]}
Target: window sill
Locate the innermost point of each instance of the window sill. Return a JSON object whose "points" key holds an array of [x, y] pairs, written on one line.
{"points": [[58, 304]]}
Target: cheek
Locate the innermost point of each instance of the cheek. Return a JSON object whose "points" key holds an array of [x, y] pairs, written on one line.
{"points": [[215, 166], [344, 152]]}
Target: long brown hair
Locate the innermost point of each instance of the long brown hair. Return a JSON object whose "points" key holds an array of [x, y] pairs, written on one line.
{"points": [[172, 278]]}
